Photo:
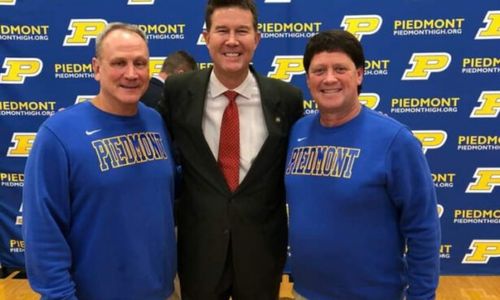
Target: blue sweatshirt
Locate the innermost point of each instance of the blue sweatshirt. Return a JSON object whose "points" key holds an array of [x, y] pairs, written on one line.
{"points": [[98, 219], [358, 195]]}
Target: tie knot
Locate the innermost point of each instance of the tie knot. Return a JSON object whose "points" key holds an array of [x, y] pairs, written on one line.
{"points": [[231, 95]]}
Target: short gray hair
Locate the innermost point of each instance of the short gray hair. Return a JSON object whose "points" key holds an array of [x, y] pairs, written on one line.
{"points": [[116, 26]]}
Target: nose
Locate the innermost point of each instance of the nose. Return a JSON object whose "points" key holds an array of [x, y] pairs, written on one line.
{"points": [[231, 39], [130, 72], [330, 76]]}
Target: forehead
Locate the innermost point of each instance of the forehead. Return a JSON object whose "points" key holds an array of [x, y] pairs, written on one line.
{"points": [[331, 57], [120, 42], [232, 16]]}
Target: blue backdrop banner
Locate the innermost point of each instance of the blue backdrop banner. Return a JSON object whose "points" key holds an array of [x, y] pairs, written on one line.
{"points": [[433, 65]]}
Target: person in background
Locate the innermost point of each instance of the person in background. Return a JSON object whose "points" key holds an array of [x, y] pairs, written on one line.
{"points": [[231, 127], [362, 204], [99, 186], [176, 63]]}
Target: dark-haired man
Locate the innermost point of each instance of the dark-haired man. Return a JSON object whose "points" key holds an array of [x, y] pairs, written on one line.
{"points": [[232, 222], [363, 211]]}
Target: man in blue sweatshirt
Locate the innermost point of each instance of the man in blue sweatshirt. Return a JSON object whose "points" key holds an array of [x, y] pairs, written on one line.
{"points": [[363, 211], [98, 221]]}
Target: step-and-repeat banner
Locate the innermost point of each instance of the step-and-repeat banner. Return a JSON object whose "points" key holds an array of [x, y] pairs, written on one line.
{"points": [[434, 65]]}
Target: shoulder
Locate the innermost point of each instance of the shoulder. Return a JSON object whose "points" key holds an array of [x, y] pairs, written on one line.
{"points": [[65, 123], [148, 113], [277, 85], [155, 82], [304, 123], [380, 121], [395, 132], [187, 78], [67, 116]]}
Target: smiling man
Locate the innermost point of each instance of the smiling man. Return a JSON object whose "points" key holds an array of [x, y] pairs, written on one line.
{"points": [[231, 126], [98, 191], [363, 211]]}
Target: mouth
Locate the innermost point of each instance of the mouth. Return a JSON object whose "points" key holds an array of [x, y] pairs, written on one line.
{"points": [[129, 87], [232, 54], [330, 90]]}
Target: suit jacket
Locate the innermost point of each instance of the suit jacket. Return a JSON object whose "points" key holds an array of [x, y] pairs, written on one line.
{"points": [[212, 220], [154, 93]]}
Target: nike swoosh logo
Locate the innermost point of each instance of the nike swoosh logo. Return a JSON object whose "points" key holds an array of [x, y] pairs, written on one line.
{"points": [[91, 132], [301, 139]]}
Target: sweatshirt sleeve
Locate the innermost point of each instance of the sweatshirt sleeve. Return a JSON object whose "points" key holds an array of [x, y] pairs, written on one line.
{"points": [[47, 217], [412, 189]]}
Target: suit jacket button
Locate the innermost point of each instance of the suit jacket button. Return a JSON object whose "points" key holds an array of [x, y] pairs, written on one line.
{"points": [[226, 231]]}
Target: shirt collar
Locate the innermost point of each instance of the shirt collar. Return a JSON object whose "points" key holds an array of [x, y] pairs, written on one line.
{"points": [[244, 89]]}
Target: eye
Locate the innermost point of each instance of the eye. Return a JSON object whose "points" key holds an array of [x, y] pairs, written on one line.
{"points": [[341, 69], [319, 71], [221, 30], [118, 63], [141, 64]]}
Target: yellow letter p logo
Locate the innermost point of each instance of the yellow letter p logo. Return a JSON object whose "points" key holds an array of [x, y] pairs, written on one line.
{"points": [[7, 2], [362, 24], [19, 68], [82, 30], [286, 66], [431, 139], [482, 251], [22, 144], [492, 28], [426, 63], [489, 107], [486, 180]]}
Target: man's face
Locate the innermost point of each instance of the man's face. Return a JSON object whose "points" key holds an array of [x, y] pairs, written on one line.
{"points": [[333, 81], [231, 41], [122, 70]]}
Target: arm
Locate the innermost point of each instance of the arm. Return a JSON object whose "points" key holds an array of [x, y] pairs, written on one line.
{"points": [[298, 106], [163, 105], [46, 218], [412, 189], [164, 110]]}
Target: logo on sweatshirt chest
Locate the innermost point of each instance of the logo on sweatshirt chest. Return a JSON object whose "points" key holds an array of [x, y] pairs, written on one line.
{"points": [[322, 161], [127, 150]]}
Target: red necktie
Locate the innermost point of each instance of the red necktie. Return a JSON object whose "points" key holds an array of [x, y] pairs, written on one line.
{"points": [[229, 143]]}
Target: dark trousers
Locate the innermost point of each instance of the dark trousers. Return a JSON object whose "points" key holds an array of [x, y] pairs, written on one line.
{"points": [[229, 287]]}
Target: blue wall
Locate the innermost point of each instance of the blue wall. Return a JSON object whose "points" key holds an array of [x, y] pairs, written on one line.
{"points": [[433, 65]]}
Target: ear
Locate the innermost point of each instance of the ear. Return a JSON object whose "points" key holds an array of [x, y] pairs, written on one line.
{"points": [[307, 81], [257, 39], [206, 37], [96, 67], [359, 74]]}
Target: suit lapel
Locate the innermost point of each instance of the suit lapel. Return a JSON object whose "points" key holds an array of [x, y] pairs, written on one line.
{"points": [[195, 109], [195, 105], [274, 119], [271, 103]]}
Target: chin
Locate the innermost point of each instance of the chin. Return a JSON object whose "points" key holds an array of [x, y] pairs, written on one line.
{"points": [[233, 66], [130, 100]]}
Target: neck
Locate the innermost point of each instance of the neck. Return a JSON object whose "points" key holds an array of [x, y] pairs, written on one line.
{"points": [[120, 110], [334, 119], [231, 81]]}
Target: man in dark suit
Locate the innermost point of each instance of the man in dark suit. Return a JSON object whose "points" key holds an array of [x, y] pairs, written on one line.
{"points": [[175, 63], [232, 226]]}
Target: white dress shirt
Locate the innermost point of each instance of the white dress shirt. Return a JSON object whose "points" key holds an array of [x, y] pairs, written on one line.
{"points": [[253, 130]]}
